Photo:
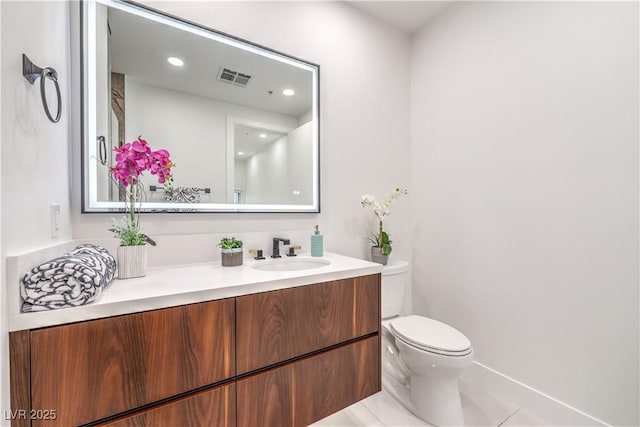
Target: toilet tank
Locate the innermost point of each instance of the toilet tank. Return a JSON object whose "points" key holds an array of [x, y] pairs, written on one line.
{"points": [[394, 285]]}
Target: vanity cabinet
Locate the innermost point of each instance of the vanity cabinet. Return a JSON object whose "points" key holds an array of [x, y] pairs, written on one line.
{"points": [[309, 389], [213, 407], [284, 358], [279, 325], [95, 369]]}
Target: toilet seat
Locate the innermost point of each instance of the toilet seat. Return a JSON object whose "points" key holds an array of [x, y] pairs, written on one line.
{"points": [[430, 335]]}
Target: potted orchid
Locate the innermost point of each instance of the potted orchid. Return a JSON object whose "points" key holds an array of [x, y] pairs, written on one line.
{"points": [[381, 244], [132, 160]]}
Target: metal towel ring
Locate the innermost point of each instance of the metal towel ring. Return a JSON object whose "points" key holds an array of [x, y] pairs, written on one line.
{"points": [[32, 72]]}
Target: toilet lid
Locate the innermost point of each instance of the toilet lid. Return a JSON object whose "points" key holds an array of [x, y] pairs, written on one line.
{"points": [[430, 335]]}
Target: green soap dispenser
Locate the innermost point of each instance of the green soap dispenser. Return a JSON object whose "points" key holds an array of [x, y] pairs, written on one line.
{"points": [[316, 243]]}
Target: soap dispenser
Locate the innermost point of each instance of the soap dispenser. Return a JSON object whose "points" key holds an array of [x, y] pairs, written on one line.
{"points": [[316, 243]]}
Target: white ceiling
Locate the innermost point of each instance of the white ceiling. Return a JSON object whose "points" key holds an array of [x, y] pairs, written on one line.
{"points": [[248, 140], [139, 49], [408, 16]]}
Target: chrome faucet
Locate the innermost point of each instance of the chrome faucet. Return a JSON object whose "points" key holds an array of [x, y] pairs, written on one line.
{"points": [[276, 246]]}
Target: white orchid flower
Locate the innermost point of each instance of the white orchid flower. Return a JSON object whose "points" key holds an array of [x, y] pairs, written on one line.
{"points": [[367, 199], [381, 212]]}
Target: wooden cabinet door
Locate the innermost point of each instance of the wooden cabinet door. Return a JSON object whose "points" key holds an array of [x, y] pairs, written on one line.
{"points": [[90, 370], [212, 408], [304, 391], [276, 326]]}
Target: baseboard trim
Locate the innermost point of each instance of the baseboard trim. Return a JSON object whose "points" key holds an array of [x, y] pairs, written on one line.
{"points": [[540, 404]]}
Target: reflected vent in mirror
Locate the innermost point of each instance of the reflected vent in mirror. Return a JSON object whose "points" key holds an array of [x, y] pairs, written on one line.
{"points": [[233, 77]]}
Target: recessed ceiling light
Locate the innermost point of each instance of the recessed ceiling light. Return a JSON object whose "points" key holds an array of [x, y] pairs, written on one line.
{"points": [[263, 135], [288, 92], [240, 153], [175, 61]]}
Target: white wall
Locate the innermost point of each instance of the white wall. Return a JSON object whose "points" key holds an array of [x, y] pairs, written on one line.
{"points": [[4, 317], [34, 152], [273, 174], [104, 113], [525, 151], [266, 174], [240, 176], [192, 128], [299, 157], [364, 101]]}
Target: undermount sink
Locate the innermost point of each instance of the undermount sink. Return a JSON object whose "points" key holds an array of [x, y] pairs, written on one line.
{"points": [[291, 264]]}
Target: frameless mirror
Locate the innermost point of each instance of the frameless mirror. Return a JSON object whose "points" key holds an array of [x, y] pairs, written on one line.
{"points": [[240, 121]]}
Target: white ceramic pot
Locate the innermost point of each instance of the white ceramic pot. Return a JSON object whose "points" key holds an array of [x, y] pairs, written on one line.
{"points": [[132, 261]]}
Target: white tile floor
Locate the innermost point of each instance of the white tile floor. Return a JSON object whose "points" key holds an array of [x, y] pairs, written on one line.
{"points": [[480, 407]]}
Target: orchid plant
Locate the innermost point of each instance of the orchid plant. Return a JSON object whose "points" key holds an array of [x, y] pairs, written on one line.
{"points": [[132, 159], [381, 211]]}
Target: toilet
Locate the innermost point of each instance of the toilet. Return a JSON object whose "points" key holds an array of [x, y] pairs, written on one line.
{"points": [[421, 357]]}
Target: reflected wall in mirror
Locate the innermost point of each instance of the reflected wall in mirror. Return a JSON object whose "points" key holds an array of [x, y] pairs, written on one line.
{"points": [[205, 97], [270, 162]]}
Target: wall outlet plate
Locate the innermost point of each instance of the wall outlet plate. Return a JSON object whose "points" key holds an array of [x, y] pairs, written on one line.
{"points": [[55, 219]]}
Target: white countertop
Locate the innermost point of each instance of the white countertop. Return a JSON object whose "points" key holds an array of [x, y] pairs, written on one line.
{"points": [[186, 284]]}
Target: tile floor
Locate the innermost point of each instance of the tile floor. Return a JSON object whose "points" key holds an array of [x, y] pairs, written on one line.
{"points": [[481, 408]]}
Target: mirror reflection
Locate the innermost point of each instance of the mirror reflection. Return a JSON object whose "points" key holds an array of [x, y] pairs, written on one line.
{"points": [[240, 122]]}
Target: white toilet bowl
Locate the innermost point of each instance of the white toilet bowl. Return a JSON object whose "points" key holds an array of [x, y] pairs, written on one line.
{"points": [[426, 357], [434, 365], [421, 357]]}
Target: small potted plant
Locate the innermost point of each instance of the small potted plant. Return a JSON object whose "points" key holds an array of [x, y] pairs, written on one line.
{"points": [[231, 251], [381, 244]]}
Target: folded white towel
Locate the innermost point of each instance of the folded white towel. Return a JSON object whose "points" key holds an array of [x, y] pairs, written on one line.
{"points": [[76, 278]]}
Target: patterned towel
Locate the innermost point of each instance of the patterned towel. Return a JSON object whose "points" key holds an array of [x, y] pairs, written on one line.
{"points": [[182, 195], [76, 278]]}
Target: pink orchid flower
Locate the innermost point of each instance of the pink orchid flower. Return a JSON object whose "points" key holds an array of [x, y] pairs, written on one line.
{"points": [[136, 157]]}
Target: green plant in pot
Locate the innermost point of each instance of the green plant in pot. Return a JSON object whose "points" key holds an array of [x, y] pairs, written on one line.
{"points": [[381, 240], [231, 251], [381, 248]]}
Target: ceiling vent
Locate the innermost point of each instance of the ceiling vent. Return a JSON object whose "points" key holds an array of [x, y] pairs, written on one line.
{"points": [[233, 77]]}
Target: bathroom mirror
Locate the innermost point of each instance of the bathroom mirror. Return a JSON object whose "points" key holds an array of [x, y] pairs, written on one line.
{"points": [[241, 121]]}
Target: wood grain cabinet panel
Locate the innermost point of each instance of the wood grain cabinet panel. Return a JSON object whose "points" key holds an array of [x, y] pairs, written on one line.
{"points": [[212, 408], [280, 325], [302, 392], [90, 370], [19, 357]]}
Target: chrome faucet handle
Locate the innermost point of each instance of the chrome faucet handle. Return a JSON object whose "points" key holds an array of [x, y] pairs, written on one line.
{"points": [[257, 252], [292, 250]]}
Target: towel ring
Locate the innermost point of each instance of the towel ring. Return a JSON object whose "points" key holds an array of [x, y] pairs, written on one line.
{"points": [[32, 72]]}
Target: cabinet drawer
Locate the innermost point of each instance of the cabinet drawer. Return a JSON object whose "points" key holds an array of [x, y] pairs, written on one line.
{"points": [[99, 368], [214, 408], [302, 392], [276, 326]]}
